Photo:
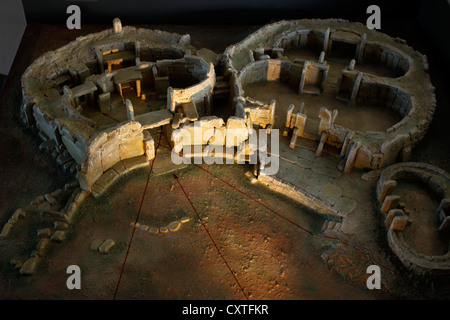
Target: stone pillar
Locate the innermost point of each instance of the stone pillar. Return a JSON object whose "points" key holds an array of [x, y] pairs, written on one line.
{"points": [[386, 189], [138, 88], [325, 120], [293, 139], [391, 215], [348, 138], [322, 57], [323, 140], [399, 223], [389, 203], [117, 25], [355, 89], [303, 77], [130, 110], [170, 99], [350, 161], [300, 121], [325, 40], [351, 65], [362, 44], [290, 110]]}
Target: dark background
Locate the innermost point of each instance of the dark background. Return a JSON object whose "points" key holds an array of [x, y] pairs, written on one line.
{"points": [[425, 24], [215, 11], [428, 19]]}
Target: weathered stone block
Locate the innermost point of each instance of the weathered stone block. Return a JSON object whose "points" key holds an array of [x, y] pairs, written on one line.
{"points": [[149, 145], [387, 189], [399, 223], [110, 154], [106, 246], [6, 230], [104, 102], [219, 137], [391, 215], [58, 236], [95, 244], [389, 203], [29, 266], [131, 147], [445, 225], [237, 131]]}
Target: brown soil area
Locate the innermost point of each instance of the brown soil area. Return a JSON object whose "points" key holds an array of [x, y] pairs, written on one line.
{"points": [[271, 258]]}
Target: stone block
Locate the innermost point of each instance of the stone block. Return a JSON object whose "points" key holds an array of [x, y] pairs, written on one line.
{"points": [[58, 236], [6, 230], [110, 154], [445, 225], [29, 266], [386, 189], [131, 147], [136, 162], [391, 148], [95, 244], [104, 102], [174, 226], [42, 244], [44, 233], [95, 142], [389, 203], [399, 223], [391, 215], [106, 246], [149, 146], [219, 137], [107, 178], [237, 131]]}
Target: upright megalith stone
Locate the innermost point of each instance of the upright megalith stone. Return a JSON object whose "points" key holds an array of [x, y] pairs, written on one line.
{"points": [[130, 110], [389, 203], [29, 266], [399, 223], [386, 189], [117, 25], [391, 215], [6, 230]]}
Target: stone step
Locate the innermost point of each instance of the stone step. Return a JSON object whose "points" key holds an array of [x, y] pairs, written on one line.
{"points": [[222, 84], [331, 226]]}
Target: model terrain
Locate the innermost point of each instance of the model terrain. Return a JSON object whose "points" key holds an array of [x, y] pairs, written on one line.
{"points": [[349, 106]]}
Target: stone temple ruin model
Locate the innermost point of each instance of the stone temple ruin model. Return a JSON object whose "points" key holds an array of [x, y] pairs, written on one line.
{"points": [[98, 104]]}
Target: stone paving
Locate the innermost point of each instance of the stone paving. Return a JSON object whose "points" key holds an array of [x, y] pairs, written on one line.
{"points": [[316, 182]]}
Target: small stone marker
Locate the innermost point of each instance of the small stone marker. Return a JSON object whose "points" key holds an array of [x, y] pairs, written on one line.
{"points": [[106, 246], [95, 244], [163, 230], [44, 233], [58, 236], [185, 219], [29, 266], [174, 226], [399, 223]]}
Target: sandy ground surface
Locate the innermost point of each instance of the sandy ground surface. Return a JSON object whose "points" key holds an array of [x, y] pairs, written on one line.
{"points": [[271, 258]]}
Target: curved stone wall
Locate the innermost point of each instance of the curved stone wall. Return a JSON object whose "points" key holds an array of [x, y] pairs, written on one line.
{"points": [[409, 92], [86, 67], [396, 220]]}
